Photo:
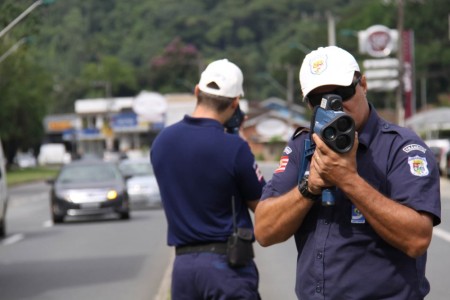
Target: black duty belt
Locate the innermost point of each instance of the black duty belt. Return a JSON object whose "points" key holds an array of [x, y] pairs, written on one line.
{"points": [[219, 248]]}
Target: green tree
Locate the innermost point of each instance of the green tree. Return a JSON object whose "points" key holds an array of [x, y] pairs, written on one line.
{"points": [[25, 90], [178, 64], [117, 78]]}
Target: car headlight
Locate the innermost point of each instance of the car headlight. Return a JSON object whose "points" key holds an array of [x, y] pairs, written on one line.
{"points": [[71, 196], [111, 195]]}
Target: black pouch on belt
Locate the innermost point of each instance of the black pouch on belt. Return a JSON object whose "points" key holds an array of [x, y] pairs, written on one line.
{"points": [[240, 247]]}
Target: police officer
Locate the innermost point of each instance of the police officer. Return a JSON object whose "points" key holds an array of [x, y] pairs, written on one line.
{"points": [[372, 244], [204, 174]]}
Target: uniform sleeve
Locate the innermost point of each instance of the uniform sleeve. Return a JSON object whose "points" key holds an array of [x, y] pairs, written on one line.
{"points": [[414, 178], [285, 176], [250, 179]]}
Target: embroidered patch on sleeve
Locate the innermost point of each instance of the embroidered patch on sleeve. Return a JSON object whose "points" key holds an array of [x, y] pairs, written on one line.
{"points": [[287, 150], [418, 166], [413, 147], [282, 166], [258, 172]]}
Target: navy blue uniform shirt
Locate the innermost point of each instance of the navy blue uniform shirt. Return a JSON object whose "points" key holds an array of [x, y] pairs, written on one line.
{"points": [[339, 254], [199, 168]]}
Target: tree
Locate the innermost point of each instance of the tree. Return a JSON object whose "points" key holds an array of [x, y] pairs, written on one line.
{"points": [[179, 64], [25, 90], [116, 77]]}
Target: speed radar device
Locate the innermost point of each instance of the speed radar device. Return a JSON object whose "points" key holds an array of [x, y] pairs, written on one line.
{"points": [[336, 129], [333, 125]]}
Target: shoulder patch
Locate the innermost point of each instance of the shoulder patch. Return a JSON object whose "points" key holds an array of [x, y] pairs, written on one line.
{"points": [[258, 172], [282, 165], [413, 147], [287, 150], [418, 166]]}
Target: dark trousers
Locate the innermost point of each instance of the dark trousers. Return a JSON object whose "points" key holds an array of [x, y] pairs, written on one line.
{"points": [[198, 276]]}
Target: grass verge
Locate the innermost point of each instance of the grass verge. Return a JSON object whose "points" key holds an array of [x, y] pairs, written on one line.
{"points": [[18, 176]]}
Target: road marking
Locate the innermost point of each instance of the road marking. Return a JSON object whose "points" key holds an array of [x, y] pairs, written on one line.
{"points": [[442, 234], [47, 224], [164, 288], [13, 239]]}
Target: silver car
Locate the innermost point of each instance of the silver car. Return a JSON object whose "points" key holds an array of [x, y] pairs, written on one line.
{"points": [[88, 187], [142, 188]]}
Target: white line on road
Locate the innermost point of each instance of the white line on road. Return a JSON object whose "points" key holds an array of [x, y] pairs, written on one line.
{"points": [[164, 288], [442, 234], [13, 239], [47, 224]]}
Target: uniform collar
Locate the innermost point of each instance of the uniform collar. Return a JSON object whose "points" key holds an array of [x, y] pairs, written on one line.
{"points": [[204, 122], [370, 129]]}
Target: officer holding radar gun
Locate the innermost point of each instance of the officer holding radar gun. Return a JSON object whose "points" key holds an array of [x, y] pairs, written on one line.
{"points": [[209, 180], [359, 194]]}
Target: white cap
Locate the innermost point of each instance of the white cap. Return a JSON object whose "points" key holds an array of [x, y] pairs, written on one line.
{"points": [[226, 75], [327, 66]]}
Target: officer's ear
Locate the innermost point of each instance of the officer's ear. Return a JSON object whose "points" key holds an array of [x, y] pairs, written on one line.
{"points": [[196, 90], [235, 103]]}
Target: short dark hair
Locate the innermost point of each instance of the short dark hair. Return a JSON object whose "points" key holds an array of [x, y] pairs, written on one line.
{"points": [[218, 103]]}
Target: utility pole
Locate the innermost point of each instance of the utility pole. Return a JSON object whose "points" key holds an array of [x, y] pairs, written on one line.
{"points": [[399, 96], [331, 29], [290, 92]]}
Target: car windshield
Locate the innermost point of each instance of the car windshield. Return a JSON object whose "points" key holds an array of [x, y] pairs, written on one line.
{"points": [[136, 168], [89, 173]]}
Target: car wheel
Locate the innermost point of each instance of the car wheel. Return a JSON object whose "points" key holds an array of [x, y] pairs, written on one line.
{"points": [[57, 217], [124, 215], [3, 228]]}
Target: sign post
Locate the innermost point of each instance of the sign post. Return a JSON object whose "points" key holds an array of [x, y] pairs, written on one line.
{"points": [[386, 73]]}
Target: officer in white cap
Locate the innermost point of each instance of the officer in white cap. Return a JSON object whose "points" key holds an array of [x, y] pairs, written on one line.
{"points": [[372, 243], [209, 180]]}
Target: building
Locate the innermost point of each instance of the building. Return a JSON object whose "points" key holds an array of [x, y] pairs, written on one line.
{"points": [[269, 126], [104, 126]]}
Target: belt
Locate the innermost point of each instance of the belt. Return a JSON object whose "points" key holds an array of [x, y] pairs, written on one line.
{"points": [[219, 248]]}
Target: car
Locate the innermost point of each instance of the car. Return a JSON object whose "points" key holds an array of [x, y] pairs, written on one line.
{"points": [[53, 154], [25, 160], [142, 187], [88, 187], [440, 148]]}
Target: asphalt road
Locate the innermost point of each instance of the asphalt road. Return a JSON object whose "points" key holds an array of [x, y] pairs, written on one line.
{"points": [[114, 259], [84, 258]]}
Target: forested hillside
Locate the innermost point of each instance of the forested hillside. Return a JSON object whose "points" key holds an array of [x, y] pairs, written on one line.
{"points": [[89, 48]]}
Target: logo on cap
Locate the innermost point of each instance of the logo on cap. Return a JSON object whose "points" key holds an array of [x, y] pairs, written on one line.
{"points": [[318, 64]]}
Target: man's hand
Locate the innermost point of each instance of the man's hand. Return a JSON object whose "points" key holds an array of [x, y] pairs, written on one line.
{"points": [[329, 168]]}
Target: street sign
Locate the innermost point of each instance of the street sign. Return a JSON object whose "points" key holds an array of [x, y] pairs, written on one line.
{"points": [[382, 85], [381, 63], [378, 41], [382, 74]]}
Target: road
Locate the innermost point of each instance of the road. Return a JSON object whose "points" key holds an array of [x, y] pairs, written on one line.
{"points": [[110, 259], [80, 259]]}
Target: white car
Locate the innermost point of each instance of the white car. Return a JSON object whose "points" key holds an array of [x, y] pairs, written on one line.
{"points": [[440, 148], [143, 190], [25, 160], [53, 154]]}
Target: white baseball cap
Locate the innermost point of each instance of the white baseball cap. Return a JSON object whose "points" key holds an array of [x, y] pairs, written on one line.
{"points": [[226, 75], [327, 66]]}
